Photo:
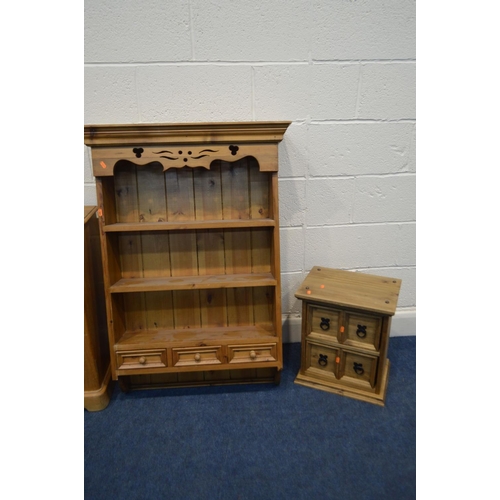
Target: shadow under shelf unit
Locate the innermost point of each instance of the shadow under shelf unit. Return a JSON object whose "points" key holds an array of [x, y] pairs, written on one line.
{"points": [[189, 228]]}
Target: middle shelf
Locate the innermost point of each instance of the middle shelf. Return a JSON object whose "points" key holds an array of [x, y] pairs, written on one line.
{"points": [[125, 285], [198, 258]]}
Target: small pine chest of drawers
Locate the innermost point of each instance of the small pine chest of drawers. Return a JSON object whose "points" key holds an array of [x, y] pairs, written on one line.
{"points": [[346, 320]]}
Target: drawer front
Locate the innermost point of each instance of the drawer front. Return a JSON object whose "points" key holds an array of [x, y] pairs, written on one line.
{"points": [[132, 360], [197, 356], [363, 331], [359, 369], [325, 322], [252, 353], [322, 360]]}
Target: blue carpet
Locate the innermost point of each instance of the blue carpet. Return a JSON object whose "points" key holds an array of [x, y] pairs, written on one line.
{"points": [[257, 442]]}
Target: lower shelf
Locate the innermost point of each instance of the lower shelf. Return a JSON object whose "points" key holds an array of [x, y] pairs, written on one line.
{"points": [[200, 379], [343, 390], [137, 339]]}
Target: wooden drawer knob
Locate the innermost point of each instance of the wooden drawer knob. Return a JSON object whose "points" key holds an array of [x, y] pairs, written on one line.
{"points": [[325, 324], [142, 360], [323, 360], [197, 356], [253, 354]]}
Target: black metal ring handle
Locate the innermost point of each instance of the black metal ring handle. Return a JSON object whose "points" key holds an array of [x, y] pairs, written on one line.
{"points": [[323, 360], [325, 324], [361, 331], [358, 368]]}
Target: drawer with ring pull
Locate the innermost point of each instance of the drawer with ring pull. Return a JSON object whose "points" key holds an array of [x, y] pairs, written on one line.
{"points": [[350, 367], [324, 322], [322, 361], [358, 369], [362, 330]]}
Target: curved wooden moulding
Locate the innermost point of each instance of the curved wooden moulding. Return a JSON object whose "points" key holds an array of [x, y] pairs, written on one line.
{"points": [[104, 160], [107, 167], [184, 145]]}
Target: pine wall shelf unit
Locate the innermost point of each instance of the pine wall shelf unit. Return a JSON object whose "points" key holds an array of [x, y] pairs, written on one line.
{"points": [[189, 228]]}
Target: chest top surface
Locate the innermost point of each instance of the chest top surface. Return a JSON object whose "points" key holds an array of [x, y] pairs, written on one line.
{"points": [[350, 289]]}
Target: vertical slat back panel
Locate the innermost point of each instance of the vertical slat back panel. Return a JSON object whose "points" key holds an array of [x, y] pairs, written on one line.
{"points": [[127, 203], [208, 192], [155, 254], [238, 251], [127, 210], [235, 190], [186, 309], [130, 255], [263, 297], [155, 246], [180, 206], [259, 191], [263, 300], [261, 250], [213, 308], [239, 307], [180, 194], [159, 310], [210, 244], [183, 256], [151, 193], [135, 313]]}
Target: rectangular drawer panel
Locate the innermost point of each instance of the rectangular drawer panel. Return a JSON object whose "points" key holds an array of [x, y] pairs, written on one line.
{"points": [[359, 369], [197, 356], [151, 358], [252, 353], [363, 331], [322, 360], [324, 321]]}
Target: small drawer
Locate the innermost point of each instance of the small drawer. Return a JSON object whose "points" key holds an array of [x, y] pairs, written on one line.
{"points": [[197, 356], [363, 331], [252, 353], [324, 321], [359, 369], [132, 360], [322, 360]]}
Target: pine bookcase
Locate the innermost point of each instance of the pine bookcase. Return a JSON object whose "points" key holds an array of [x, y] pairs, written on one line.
{"points": [[189, 228]]}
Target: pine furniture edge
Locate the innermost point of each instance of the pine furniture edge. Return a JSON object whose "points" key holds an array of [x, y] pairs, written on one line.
{"points": [[209, 133]]}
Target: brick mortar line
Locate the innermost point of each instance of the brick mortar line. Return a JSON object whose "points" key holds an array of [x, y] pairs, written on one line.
{"points": [[250, 63], [352, 224]]}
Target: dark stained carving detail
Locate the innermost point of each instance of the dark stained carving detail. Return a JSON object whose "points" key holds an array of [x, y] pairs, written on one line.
{"points": [[186, 158]]}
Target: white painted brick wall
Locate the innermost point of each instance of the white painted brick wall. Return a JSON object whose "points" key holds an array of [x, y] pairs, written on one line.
{"points": [[342, 71]]}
